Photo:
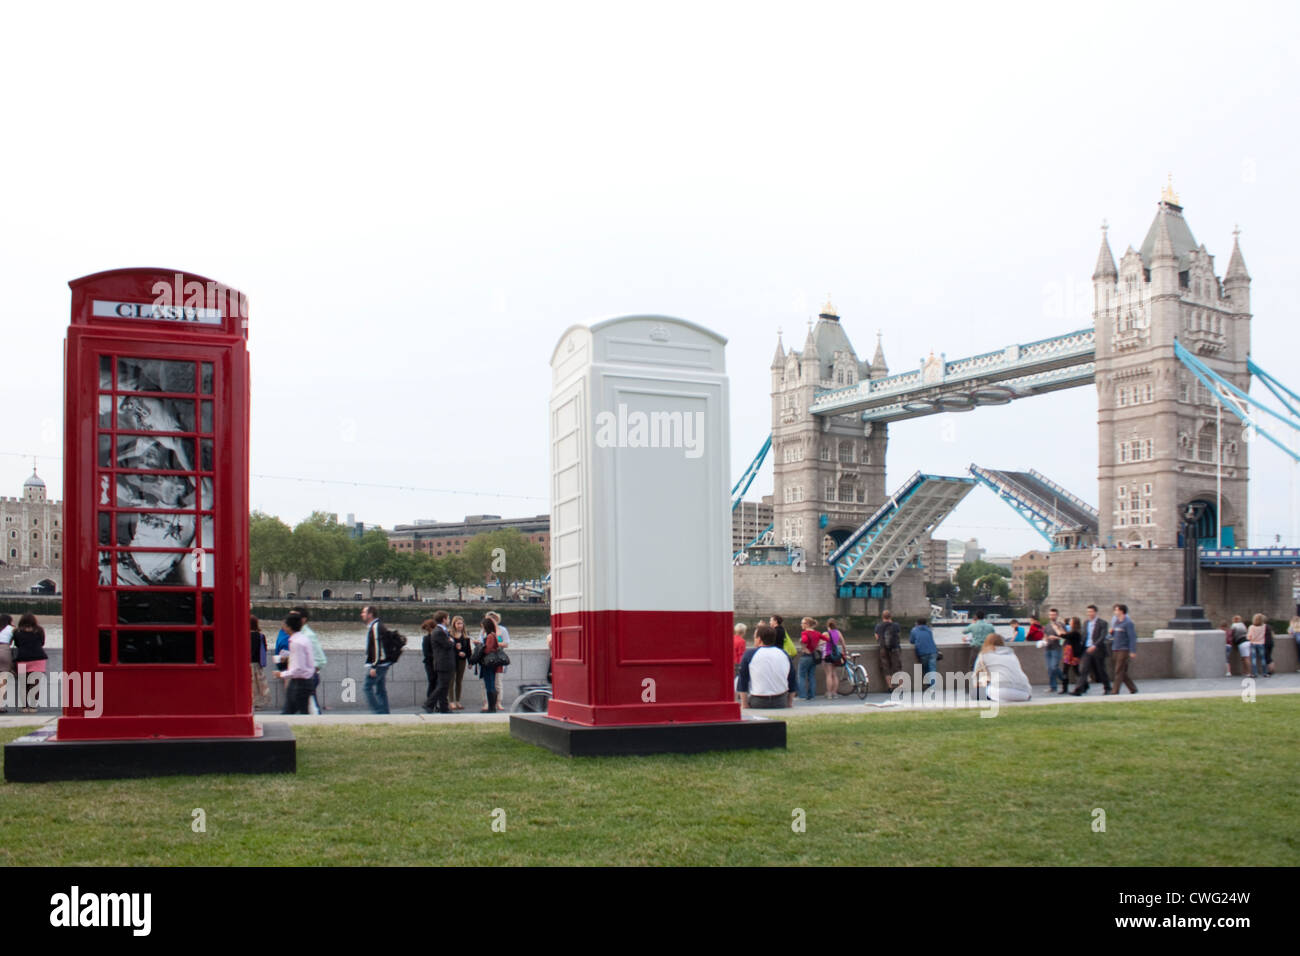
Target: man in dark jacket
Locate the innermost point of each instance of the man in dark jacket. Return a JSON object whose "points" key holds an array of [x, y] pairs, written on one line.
{"points": [[888, 634], [377, 664], [440, 654], [1092, 665]]}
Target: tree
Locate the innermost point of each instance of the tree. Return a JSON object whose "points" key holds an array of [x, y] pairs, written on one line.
{"points": [[399, 568], [318, 550], [368, 557], [460, 574], [972, 571], [269, 541], [505, 555], [991, 586], [427, 572], [1036, 589], [939, 590]]}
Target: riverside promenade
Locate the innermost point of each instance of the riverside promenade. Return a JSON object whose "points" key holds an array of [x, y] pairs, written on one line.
{"points": [[875, 705]]}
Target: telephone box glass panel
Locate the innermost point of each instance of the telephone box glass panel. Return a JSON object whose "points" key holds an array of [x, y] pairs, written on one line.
{"points": [[155, 515]]}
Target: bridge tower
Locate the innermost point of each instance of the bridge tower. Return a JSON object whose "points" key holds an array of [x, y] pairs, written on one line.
{"points": [[829, 470], [1161, 441]]}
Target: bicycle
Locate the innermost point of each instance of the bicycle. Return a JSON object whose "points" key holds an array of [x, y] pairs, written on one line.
{"points": [[853, 676], [532, 699]]}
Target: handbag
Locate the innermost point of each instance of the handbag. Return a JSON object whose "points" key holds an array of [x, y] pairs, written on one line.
{"points": [[476, 655], [497, 658]]}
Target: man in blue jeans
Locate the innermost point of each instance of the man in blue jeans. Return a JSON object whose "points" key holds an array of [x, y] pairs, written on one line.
{"points": [[1053, 652], [927, 652], [376, 665]]}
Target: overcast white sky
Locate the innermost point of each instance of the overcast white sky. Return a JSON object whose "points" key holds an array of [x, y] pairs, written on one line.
{"points": [[419, 199]]}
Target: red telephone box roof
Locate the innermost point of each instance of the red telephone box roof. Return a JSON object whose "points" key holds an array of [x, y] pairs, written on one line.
{"points": [[142, 298]]}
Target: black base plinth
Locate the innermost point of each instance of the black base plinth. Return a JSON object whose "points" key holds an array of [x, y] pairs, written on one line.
{"points": [[577, 740], [1191, 617], [37, 757]]}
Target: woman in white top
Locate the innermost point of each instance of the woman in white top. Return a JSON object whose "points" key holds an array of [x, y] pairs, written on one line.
{"points": [[6, 657], [998, 663]]}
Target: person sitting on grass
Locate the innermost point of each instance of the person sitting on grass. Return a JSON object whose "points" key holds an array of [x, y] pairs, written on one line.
{"points": [[999, 669], [767, 676]]}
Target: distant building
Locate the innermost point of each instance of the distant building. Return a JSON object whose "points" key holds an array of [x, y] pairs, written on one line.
{"points": [[935, 559], [33, 537], [749, 520], [443, 538], [1022, 566], [956, 556], [973, 552]]}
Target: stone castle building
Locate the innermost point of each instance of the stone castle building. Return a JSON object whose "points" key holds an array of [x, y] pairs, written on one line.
{"points": [[1161, 440], [829, 472], [33, 537], [829, 478]]}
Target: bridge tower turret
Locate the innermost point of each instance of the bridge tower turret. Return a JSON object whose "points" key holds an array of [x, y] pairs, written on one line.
{"points": [[1161, 443], [829, 472]]}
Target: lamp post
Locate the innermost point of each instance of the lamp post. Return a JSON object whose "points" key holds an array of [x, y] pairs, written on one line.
{"points": [[1190, 616]]}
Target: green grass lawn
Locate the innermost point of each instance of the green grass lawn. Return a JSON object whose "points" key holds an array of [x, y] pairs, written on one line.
{"points": [[1190, 783]]}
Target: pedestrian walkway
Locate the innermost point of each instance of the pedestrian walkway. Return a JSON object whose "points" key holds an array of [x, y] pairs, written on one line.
{"points": [[1150, 690], [1166, 689]]}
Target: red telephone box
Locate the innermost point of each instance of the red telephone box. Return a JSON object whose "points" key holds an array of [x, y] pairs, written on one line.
{"points": [[156, 589]]}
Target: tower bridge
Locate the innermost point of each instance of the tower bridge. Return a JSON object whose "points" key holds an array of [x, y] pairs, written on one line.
{"points": [[1168, 353]]}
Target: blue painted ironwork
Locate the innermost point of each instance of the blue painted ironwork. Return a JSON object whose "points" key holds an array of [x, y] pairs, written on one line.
{"points": [[747, 479], [1274, 386], [1250, 558], [889, 540], [1028, 493], [1220, 388]]}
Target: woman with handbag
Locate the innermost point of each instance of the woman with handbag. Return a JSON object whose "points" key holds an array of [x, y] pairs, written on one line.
{"points": [[832, 658], [488, 653], [463, 650], [29, 655]]}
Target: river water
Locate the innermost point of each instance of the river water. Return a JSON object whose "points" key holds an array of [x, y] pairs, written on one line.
{"points": [[345, 636], [341, 635]]}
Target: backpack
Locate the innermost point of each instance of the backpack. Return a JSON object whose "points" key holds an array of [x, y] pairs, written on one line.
{"points": [[834, 652], [393, 642], [789, 646]]}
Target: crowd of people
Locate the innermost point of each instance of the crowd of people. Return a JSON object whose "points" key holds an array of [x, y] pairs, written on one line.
{"points": [[448, 651], [776, 670], [1252, 646], [772, 672]]}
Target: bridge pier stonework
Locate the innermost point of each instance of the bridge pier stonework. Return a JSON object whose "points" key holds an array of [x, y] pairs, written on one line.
{"points": [[1149, 582], [765, 589]]}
